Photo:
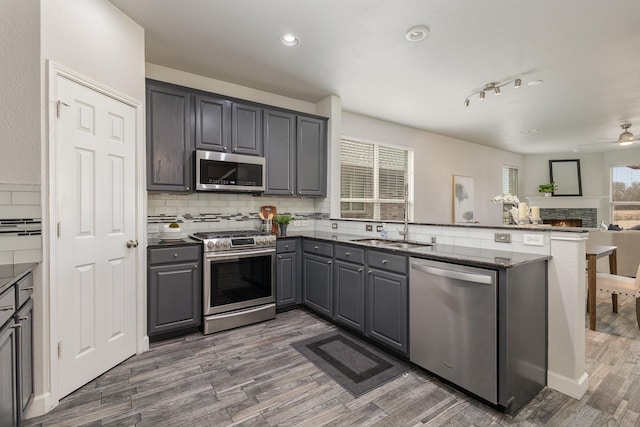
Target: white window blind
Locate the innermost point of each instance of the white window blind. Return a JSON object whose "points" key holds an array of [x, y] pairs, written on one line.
{"points": [[372, 179], [625, 196], [510, 180]]}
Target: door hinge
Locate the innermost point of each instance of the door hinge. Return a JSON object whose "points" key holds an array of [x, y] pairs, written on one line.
{"points": [[58, 105], [59, 349], [59, 227]]}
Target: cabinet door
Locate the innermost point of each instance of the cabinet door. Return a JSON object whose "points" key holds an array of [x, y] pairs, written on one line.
{"points": [[387, 306], [348, 285], [286, 279], [213, 123], [311, 178], [175, 297], [317, 284], [279, 150], [246, 125], [169, 139], [8, 392], [25, 356]]}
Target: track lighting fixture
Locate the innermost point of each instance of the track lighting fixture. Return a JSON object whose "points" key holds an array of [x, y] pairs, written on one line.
{"points": [[495, 87]]}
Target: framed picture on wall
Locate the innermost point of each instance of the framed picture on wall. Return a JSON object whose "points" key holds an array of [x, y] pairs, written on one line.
{"points": [[566, 175], [463, 203]]}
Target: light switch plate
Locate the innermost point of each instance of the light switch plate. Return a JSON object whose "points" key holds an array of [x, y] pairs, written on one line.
{"points": [[503, 237], [533, 239], [334, 225], [368, 227]]}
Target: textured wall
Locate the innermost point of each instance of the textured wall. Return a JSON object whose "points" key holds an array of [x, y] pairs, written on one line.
{"points": [[20, 92]]}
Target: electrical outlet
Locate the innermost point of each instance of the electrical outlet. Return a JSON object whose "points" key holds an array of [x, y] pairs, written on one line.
{"points": [[334, 225], [379, 228], [368, 227], [533, 239], [305, 223], [503, 237]]}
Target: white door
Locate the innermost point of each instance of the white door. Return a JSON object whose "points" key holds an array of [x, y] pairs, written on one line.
{"points": [[96, 195]]}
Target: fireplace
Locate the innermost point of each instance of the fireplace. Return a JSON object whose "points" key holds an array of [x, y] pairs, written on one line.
{"points": [[563, 222]]}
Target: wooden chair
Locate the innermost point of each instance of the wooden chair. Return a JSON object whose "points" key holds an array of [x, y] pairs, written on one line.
{"points": [[620, 285]]}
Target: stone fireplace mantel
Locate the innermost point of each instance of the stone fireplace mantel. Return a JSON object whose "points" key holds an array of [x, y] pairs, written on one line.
{"points": [[566, 202]]}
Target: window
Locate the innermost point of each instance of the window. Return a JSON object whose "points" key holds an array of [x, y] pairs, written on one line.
{"points": [[510, 180], [625, 196], [372, 180]]}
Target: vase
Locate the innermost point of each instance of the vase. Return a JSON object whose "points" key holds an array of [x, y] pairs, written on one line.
{"points": [[506, 213], [547, 194], [283, 230]]}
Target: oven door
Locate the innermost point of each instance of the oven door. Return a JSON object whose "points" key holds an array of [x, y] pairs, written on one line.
{"points": [[238, 279]]}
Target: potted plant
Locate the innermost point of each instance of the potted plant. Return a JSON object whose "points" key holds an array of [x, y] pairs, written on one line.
{"points": [[547, 189], [283, 221]]}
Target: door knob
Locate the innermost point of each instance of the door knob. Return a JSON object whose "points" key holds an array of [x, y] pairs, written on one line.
{"points": [[132, 244]]}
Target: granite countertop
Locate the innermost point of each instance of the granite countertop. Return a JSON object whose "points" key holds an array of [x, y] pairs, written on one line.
{"points": [[11, 273], [157, 243], [449, 253]]}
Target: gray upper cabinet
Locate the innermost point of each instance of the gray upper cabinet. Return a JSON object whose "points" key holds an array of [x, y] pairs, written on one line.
{"points": [[296, 152], [246, 125], [311, 162], [213, 123], [280, 151], [169, 138]]}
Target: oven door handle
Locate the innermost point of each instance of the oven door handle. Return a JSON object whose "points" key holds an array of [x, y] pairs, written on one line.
{"points": [[238, 254]]}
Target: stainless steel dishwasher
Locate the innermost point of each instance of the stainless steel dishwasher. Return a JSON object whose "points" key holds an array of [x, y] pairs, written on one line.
{"points": [[453, 324]]}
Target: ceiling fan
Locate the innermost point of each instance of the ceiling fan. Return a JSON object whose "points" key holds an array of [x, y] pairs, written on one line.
{"points": [[626, 138]]}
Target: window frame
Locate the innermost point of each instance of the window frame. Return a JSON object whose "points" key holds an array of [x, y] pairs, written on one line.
{"points": [[376, 201], [613, 203]]}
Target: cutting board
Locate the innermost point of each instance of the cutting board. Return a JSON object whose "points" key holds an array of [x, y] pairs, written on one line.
{"points": [[265, 211]]}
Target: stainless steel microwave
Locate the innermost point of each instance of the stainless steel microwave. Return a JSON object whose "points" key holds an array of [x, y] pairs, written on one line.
{"points": [[229, 172]]}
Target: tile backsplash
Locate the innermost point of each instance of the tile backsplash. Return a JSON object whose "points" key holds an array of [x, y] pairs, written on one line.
{"points": [[20, 223], [221, 211]]}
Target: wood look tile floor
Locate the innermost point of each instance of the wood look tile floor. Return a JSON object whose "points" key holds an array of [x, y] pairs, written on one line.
{"points": [[252, 377]]}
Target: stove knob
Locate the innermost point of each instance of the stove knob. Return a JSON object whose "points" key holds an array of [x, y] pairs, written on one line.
{"points": [[218, 244], [272, 240], [210, 245], [227, 243], [259, 240]]}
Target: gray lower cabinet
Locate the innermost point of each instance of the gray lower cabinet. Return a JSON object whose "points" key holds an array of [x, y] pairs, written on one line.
{"points": [[8, 377], [317, 283], [16, 351], [169, 138], [387, 308], [287, 273], [174, 289], [348, 285]]}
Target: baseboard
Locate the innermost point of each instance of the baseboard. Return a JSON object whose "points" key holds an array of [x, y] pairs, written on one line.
{"points": [[570, 387], [40, 405]]}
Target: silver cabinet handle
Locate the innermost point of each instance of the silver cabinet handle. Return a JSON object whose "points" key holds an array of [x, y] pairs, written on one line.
{"points": [[369, 272], [329, 262], [360, 270], [15, 326], [24, 318], [132, 244], [28, 288], [224, 148], [195, 266], [286, 246], [279, 256], [175, 255], [384, 261], [347, 253], [316, 248], [186, 188], [7, 308]]}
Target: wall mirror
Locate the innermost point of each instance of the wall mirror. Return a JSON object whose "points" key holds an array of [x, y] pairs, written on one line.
{"points": [[566, 175]]}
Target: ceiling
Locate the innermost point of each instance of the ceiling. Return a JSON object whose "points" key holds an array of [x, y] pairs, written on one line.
{"points": [[587, 52]]}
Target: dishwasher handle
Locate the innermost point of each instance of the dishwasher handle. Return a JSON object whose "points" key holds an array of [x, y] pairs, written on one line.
{"points": [[452, 274]]}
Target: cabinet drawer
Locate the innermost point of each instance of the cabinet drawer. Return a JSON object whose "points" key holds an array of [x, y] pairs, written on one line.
{"points": [[349, 253], [7, 304], [387, 261], [175, 254], [25, 289], [289, 245], [320, 248]]}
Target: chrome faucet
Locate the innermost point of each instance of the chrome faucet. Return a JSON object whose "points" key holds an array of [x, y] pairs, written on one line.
{"points": [[405, 231]]}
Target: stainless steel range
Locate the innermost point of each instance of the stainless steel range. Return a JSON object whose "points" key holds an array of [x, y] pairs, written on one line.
{"points": [[238, 278]]}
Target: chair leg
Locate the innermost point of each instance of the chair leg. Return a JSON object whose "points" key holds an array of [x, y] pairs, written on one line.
{"points": [[614, 302], [638, 311]]}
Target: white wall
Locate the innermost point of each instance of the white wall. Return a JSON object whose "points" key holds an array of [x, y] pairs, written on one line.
{"points": [[437, 159], [20, 92]]}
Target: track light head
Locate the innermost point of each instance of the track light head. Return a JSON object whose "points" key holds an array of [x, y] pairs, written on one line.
{"points": [[517, 83], [466, 102], [481, 95], [497, 90]]}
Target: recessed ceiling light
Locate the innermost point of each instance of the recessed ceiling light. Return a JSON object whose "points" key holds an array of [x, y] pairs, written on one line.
{"points": [[289, 40], [534, 82], [417, 33]]}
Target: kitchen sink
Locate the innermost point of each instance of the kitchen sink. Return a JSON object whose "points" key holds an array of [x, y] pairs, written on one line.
{"points": [[391, 243], [407, 245]]}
